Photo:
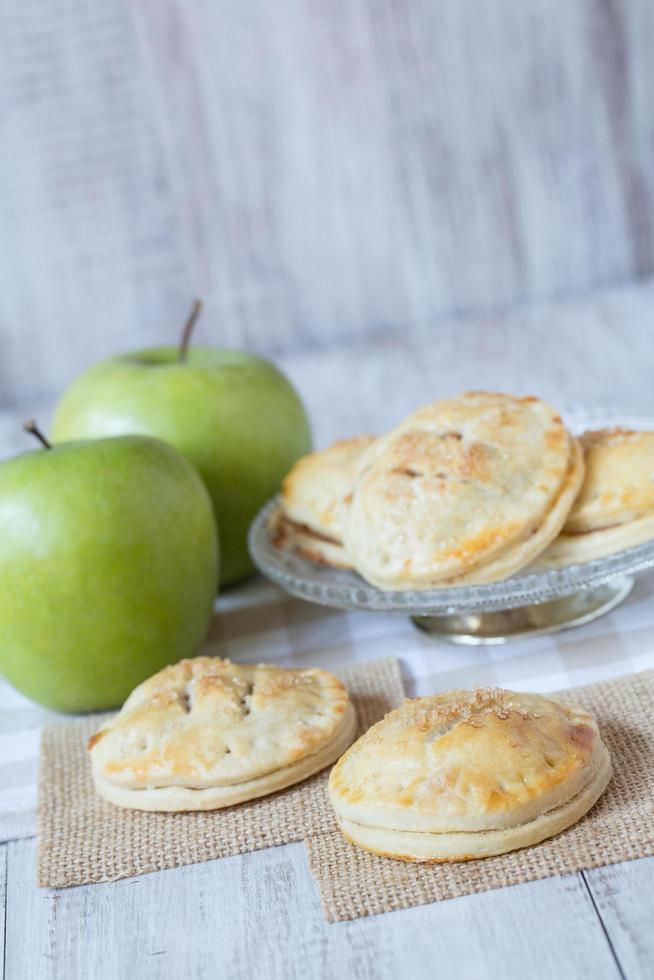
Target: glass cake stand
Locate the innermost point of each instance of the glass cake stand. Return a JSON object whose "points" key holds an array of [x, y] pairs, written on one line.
{"points": [[522, 605]]}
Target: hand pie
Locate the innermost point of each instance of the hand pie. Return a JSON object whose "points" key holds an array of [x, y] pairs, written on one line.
{"points": [[615, 506], [463, 491], [315, 495], [468, 774], [206, 733]]}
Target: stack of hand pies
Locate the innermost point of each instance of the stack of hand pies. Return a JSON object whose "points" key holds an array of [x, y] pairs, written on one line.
{"points": [[469, 490], [450, 777]]}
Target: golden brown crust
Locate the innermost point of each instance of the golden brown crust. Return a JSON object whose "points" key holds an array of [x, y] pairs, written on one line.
{"points": [[175, 798], [614, 509], [316, 490], [534, 542], [466, 762], [209, 723], [470, 845], [619, 483], [94, 739], [319, 548], [469, 488], [575, 549]]}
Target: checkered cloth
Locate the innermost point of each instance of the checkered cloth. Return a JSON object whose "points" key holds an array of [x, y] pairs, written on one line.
{"points": [[257, 622]]}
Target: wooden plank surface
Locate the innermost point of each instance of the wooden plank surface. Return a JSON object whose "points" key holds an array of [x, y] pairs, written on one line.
{"points": [[259, 915], [624, 897]]}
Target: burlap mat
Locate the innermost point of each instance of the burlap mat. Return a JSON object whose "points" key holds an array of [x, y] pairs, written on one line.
{"points": [[82, 839], [620, 827]]}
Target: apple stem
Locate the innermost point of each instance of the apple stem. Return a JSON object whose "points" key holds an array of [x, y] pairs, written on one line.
{"points": [[196, 309], [34, 430]]}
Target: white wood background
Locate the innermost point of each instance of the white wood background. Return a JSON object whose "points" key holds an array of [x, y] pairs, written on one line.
{"points": [[598, 351], [317, 169]]}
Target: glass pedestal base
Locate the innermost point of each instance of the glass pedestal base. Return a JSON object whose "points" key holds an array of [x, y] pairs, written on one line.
{"points": [[477, 628]]}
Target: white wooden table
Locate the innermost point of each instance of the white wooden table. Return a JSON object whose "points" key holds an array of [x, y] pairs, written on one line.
{"points": [[259, 914]]}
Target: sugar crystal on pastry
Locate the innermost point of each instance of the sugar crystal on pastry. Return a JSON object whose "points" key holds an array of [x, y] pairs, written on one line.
{"points": [[469, 774], [206, 733], [463, 491]]}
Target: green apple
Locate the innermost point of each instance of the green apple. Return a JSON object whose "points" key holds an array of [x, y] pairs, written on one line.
{"points": [[233, 415], [109, 564]]}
